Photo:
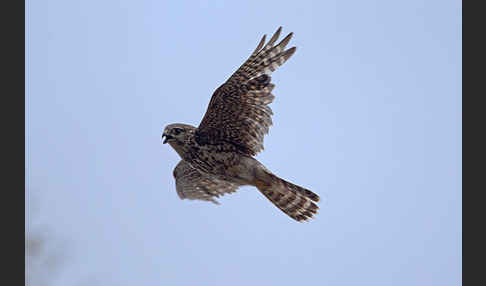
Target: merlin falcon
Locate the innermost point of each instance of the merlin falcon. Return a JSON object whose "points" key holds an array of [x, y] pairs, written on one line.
{"points": [[217, 156]]}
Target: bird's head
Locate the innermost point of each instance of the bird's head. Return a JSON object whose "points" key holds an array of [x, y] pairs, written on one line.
{"points": [[177, 133]]}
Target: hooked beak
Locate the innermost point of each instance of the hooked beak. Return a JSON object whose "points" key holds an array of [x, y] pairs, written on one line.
{"points": [[167, 137]]}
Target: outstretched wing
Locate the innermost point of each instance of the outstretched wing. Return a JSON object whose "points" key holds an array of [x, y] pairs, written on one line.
{"points": [[194, 185], [238, 112]]}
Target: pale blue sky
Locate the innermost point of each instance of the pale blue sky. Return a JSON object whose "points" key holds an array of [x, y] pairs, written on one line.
{"points": [[367, 115]]}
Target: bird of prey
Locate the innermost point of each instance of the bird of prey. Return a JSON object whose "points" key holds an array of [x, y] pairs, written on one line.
{"points": [[217, 156]]}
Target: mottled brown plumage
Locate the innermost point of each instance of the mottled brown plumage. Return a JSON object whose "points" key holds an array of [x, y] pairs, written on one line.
{"points": [[217, 155], [192, 184]]}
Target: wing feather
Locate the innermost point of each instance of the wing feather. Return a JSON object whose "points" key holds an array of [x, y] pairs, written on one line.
{"points": [[194, 185], [238, 112]]}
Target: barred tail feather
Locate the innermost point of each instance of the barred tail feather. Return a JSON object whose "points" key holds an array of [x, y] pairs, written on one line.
{"points": [[297, 202]]}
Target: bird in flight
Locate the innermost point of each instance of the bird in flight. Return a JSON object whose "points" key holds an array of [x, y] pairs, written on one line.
{"points": [[217, 156]]}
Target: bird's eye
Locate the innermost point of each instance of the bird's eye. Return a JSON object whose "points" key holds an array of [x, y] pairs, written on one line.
{"points": [[176, 131]]}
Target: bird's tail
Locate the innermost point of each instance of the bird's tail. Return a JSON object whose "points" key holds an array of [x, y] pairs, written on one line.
{"points": [[295, 201]]}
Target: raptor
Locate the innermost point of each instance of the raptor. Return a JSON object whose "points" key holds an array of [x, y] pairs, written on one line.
{"points": [[217, 157]]}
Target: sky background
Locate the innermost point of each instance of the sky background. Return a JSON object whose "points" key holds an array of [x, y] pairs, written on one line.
{"points": [[368, 115]]}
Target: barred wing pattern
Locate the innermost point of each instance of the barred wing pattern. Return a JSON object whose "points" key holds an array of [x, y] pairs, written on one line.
{"points": [[238, 112], [192, 184]]}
